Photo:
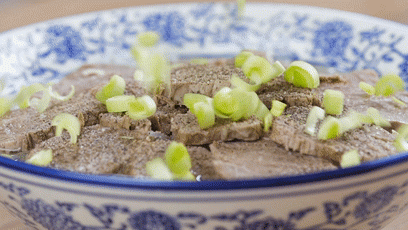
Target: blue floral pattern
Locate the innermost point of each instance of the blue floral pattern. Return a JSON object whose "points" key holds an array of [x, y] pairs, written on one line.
{"points": [[347, 212], [52, 49]]}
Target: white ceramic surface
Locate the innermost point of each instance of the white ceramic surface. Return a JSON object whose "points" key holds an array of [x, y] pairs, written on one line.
{"points": [[363, 197]]}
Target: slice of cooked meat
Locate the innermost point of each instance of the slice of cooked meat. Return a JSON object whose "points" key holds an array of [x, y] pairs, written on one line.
{"points": [[371, 141], [104, 150], [185, 129], [202, 79], [263, 158], [117, 121], [87, 76], [23, 130], [279, 89], [356, 99]]}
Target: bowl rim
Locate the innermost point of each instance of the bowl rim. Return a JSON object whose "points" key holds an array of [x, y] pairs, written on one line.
{"points": [[147, 184]]}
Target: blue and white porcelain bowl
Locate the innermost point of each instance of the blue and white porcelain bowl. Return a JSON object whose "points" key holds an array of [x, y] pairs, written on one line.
{"points": [[363, 197]]}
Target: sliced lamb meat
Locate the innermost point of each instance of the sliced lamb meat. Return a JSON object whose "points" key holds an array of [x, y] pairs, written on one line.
{"points": [[104, 150], [25, 130], [279, 89], [87, 76], [185, 129], [263, 158], [202, 79], [356, 99], [371, 141]]}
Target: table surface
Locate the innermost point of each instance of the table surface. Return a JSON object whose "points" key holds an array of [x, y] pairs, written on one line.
{"points": [[15, 13]]}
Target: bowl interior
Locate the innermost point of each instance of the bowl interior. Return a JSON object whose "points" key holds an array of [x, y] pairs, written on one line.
{"points": [[47, 51]]}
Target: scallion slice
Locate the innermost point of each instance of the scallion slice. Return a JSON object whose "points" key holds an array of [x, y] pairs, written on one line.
{"points": [[189, 99], [260, 71], [388, 85], [329, 129], [268, 122], [277, 108], [401, 141], [369, 89], [58, 96], [115, 87], [224, 103], [241, 7], [239, 83], [177, 158], [68, 122], [399, 102], [158, 169], [352, 121], [23, 97], [5, 105], [205, 114], [315, 114], [241, 58], [302, 74], [42, 104], [119, 103], [141, 107], [261, 111], [148, 39], [42, 158], [350, 158], [156, 72], [333, 101], [376, 117]]}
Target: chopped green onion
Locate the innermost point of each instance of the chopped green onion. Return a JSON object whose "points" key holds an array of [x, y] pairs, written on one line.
{"points": [[315, 114], [399, 102], [139, 53], [199, 61], [42, 104], [141, 108], [205, 114], [401, 143], [156, 72], [224, 103], [158, 169], [376, 117], [302, 74], [352, 121], [277, 108], [115, 87], [241, 58], [261, 111], [329, 129], [239, 83], [259, 70], [268, 122], [333, 101], [42, 158], [177, 158], [349, 159], [59, 97], [5, 105], [138, 75], [369, 89], [190, 99], [119, 103], [241, 7], [388, 85], [23, 97], [148, 39], [68, 122]]}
